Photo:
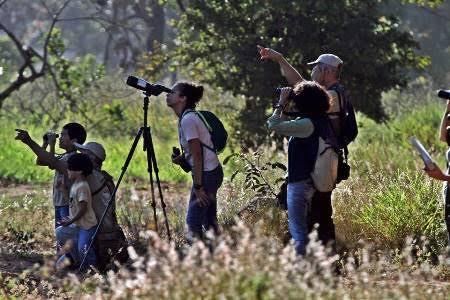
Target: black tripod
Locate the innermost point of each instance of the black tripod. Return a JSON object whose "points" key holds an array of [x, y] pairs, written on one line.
{"points": [[152, 166]]}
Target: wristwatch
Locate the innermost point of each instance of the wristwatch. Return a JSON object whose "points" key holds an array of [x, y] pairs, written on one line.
{"points": [[197, 186]]}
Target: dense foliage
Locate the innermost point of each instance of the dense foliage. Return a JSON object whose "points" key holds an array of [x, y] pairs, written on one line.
{"points": [[218, 41]]}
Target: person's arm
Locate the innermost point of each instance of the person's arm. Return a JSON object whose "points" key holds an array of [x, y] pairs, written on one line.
{"points": [[49, 141], [44, 146], [437, 173], [444, 123], [195, 147], [45, 157], [297, 128], [80, 213], [287, 70]]}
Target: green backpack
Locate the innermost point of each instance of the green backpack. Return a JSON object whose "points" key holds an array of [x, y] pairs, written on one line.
{"points": [[219, 134]]}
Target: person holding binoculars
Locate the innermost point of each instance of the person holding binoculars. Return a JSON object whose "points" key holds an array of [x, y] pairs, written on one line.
{"points": [[71, 133], [197, 156], [312, 103]]}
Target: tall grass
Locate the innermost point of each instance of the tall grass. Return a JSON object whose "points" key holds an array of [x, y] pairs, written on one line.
{"points": [[387, 201], [244, 264], [387, 147]]}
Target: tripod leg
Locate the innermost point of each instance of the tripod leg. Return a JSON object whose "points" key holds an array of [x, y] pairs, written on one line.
{"points": [[155, 167], [148, 147], [113, 194]]}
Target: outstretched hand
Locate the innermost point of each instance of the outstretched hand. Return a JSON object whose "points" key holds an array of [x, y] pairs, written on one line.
{"points": [[267, 53], [23, 136]]}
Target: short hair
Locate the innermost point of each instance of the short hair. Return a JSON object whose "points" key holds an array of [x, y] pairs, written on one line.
{"points": [[80, 162], [76, 131], [191, 91], [336, 71], [311, 99]]}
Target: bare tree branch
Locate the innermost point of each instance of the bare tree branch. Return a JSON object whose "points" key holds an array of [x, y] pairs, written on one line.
{"points": [[16, 41], [28, 53], [2, 2], [52, 25], [15, 85]]}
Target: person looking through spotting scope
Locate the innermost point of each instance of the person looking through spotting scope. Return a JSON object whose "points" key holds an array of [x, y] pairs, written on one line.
{"points": [[197, 154]]}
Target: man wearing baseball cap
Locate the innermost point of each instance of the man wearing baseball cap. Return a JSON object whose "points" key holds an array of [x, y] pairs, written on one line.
{"points": [[95, 151], [326, 71]]}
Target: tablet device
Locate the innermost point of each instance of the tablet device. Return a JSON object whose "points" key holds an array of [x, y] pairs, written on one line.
{"points": [[427, 160]]}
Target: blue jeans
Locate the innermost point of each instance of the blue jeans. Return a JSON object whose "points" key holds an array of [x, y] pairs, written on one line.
{"points": [[60, 213], [205, 216], [299, 195], [72, 236]]}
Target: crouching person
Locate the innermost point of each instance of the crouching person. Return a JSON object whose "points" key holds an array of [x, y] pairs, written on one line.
{"points": [[110, 242], [78, 229], [312, 103]]}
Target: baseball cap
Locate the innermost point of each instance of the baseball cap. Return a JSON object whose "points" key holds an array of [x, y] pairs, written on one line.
{"points": [[329, 59], [96, 148]]}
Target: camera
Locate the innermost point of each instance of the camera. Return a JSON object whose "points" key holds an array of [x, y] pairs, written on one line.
{"points": [[148, 88], [183, 164]]}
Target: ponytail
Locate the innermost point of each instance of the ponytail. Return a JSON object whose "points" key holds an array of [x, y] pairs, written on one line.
{"points": [[192, 92]]}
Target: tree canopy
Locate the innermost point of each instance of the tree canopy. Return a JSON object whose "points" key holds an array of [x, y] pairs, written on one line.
{"points": [[218, 41]]}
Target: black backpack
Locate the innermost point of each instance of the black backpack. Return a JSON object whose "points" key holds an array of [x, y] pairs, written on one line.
{"points": [[219, 134], [348, 131], [348, 125]]}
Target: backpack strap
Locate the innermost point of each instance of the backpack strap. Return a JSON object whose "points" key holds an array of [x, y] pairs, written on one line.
{"points": [[202, 118], [341, 115], [99, 189]]}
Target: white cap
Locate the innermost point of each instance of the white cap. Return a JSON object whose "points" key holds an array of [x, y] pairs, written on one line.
{"points": [[95, 148], [329, 59]]}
